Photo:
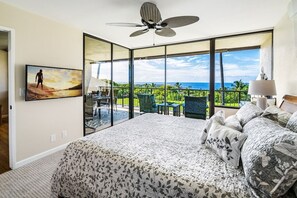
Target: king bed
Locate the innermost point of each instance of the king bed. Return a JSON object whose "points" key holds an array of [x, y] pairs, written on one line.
{"points": [[151, 155]]}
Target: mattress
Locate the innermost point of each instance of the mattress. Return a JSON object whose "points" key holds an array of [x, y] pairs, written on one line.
{"points": [[151, 155]]}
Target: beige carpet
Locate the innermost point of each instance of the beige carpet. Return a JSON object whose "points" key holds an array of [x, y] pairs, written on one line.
{"points": [[32, 180]]}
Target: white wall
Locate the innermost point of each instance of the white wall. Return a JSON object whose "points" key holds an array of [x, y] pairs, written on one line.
{"points": [[40, 41], [285, 57], [266, 57], [3, 82]]}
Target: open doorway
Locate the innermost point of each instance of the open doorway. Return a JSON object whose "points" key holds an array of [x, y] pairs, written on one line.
{"points": [[4, 112]]}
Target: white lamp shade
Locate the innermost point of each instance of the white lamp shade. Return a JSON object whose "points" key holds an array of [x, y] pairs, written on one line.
{"points": [[262, 87]]}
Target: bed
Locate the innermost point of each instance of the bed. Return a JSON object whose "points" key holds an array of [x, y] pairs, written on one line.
{"points": [[151, 155]]}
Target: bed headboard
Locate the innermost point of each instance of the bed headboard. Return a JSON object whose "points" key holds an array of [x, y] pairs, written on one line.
{"points": [[289, 103]]}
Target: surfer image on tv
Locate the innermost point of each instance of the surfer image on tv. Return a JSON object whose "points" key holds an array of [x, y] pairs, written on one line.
{"points": [[39, 79]]}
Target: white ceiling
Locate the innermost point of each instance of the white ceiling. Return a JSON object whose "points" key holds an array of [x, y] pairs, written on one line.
{"points": [[217, 17]]}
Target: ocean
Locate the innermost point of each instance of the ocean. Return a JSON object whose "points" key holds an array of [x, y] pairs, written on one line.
{"points": [[190, 85]]}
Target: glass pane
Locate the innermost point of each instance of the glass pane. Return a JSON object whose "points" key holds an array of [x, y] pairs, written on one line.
{"points": [[120, 84], [239, 60], [149, 77], [97, 85], [187, 72]]}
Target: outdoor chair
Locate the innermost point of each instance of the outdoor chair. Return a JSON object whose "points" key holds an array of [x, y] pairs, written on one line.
{"points": [[90, 106], [195, 107], [91, 110], [147, 103]]}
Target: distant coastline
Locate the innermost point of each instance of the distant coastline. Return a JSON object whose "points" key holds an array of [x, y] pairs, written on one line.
{"points": [[190, 85]]}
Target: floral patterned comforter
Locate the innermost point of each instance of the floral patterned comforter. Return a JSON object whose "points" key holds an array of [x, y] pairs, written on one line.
{"points": [[149, 156]]}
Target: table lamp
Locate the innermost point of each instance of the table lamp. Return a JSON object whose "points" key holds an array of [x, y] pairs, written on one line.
{"points": [[262, 88]]}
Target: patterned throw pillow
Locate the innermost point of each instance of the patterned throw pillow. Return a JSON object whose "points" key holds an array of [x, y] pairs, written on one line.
{"points": [[226, 142], [276, 114], [233, 122], [269, 158], [248, 112], [283, 118], [292, 123], [219, 117]]}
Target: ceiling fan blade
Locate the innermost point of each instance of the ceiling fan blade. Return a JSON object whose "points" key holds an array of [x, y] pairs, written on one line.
{"points": [[139, 32], [150, 13], [179, 21], [125, 24], [167, 32]]}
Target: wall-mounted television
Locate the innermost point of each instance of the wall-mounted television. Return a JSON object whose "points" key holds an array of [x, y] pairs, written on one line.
{"points": [[43, 82]]}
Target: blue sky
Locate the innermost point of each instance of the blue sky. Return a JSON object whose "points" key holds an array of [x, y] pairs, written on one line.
{"points": [[238, 65]]}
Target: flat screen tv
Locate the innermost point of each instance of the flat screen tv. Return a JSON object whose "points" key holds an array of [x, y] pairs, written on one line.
{"points": [[43, 82]]}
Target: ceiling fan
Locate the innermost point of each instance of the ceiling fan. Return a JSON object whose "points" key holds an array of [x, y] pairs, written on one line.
{"points": [[151, 19]]}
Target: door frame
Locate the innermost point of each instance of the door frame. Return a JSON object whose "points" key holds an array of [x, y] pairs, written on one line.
{"points": [[11, 96]]}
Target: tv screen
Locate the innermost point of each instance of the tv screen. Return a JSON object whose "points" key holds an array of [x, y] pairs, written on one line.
{"points": [[44, 82]]}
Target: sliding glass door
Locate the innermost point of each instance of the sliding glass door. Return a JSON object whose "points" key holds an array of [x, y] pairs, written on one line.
{"points": [[149, 76], [121, 60], [106, 69], [187, 71], [97, 97]]}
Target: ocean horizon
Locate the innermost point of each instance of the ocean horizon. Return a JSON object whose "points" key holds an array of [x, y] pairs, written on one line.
{"points": [[190, 85]]}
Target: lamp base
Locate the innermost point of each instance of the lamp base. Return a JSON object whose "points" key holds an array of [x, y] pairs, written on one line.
{"points": [[262, 102]]}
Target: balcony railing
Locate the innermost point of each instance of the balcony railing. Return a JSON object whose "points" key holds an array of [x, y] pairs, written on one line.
{"points": [[226, 98]]}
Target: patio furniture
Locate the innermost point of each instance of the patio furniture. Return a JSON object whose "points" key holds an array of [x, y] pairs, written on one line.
{"points": [[105, 98], [90, 110], [195, 107], [90, 106], [147, 103], [174, 106]]}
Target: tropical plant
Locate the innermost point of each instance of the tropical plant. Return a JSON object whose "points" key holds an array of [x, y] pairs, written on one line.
{"points": [[178, 85], [239, 85]]}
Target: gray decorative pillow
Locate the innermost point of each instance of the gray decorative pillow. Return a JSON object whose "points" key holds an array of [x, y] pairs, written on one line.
{"points": [[269, 157], [292, 123], [271, 113], [233, 122], [248, 112], [226, 142], [276, 114], [219, 117]]}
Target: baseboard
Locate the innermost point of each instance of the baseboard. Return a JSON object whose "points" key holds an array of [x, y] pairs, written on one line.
{"points": [[39, 156]]}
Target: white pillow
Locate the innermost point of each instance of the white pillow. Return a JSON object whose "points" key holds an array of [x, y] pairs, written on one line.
{"points": [[219, 117], [226, 142], [248, 112], [233, 122]]}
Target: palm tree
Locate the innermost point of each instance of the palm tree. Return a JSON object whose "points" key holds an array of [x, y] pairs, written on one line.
{"points": [[239, 85], [178, 85]]}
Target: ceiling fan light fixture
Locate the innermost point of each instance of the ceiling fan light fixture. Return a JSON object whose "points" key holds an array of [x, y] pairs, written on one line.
{"points": [[151, 20]]}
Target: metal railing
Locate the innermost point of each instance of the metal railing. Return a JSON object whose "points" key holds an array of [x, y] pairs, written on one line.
{"points": [[226, 98]]}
